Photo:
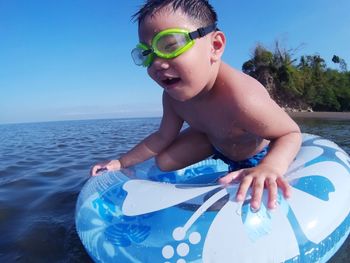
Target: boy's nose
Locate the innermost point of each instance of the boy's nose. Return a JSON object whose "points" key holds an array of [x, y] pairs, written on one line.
{"points": [[160, 63]]}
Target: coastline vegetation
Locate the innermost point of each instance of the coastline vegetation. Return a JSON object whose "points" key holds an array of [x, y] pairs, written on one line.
{"points": [[304, 84]]}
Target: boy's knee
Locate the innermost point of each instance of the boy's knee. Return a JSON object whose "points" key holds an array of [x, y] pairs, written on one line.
{"points": [[163, 162]]}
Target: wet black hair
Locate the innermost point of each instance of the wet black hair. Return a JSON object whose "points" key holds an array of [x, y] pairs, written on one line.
{"points": [[198, 10]]}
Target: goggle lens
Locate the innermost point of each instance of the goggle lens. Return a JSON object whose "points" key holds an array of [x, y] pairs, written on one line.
{"points": [[168, 45], [137, 56], [141, 55]]}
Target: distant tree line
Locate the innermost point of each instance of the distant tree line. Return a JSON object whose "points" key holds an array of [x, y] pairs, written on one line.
{"points": [[301, 84]]}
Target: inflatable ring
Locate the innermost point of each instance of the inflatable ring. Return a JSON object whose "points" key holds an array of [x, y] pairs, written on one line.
{"points": [[187, 217]]}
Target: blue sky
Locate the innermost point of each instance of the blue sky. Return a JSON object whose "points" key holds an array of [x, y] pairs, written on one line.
{"points": [[70, 59]]}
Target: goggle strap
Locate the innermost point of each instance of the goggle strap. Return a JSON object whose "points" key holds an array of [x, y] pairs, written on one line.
{"points": [[147, 52], [201, 32]]}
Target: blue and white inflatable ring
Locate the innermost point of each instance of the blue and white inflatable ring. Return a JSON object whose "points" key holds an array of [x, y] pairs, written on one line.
{"points": [[142, 215]]}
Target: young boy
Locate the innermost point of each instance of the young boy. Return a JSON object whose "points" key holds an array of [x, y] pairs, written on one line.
{"points": [[229, 113]]}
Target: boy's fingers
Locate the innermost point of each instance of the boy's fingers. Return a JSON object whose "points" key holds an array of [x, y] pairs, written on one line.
{"points": [[227, 179], [101, 170], [93, 170], [258, 188], [243, 188], [96, 169], [285, 187], [271, 186]]}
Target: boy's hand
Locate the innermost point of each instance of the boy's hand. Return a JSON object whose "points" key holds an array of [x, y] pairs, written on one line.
{"points": [[111, 165], [258, 177]]}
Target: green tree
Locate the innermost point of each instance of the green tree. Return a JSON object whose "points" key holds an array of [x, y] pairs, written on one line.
{"points": [[260, 62], [340, 84], [309, 83], [341, 62]]}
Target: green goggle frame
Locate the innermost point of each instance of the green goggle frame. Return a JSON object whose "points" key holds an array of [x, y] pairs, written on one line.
{"points": [[168, 44]]}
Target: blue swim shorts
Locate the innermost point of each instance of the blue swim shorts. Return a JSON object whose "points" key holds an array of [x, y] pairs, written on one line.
{"points": [[247, 163]]}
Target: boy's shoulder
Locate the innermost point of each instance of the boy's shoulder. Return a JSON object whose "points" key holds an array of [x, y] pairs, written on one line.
{"points": [[237, 83]]}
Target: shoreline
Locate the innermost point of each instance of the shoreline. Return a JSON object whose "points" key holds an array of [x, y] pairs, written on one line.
{"points": [[320, 115]]}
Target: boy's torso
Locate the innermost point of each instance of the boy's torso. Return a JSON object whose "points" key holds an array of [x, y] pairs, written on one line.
{"points": [[215, 116]]}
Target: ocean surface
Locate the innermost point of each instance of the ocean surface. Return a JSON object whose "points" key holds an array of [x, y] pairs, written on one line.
{"points": [[43, 166]]}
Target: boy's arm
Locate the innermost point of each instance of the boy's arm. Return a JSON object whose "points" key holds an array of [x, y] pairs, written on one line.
{"points": [[151, 146], [260, 115]]}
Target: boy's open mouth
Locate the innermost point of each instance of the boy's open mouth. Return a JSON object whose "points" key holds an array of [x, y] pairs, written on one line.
{"points": [[171, 81]]}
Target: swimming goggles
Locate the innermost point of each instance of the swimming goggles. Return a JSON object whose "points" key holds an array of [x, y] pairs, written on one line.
{"points": [[168, 44]]}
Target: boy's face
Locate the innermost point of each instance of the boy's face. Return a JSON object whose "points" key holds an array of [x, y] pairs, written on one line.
{"points": [[185, 76]]}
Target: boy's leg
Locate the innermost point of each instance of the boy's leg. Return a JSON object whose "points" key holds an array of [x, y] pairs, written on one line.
{"points": [[189, 147]]}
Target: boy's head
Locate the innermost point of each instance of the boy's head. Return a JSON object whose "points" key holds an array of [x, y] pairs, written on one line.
{"points": [[180, 45], [200, 11]]}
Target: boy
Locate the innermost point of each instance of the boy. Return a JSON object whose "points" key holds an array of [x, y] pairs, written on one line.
{"points": [[229, 113]]}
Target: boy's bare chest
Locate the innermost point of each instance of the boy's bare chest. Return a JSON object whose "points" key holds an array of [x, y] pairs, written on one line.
{"points": [[218, 123], [222, 128], [224, 132]]}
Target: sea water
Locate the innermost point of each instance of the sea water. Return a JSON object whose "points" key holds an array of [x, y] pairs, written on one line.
{"points": [[43, 166]]}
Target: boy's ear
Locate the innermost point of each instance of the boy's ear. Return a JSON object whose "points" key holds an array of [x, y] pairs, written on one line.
{"points": [[218, 43]]}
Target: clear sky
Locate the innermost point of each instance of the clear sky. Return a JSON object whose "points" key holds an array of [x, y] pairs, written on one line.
{"points": [[70, 59]]}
